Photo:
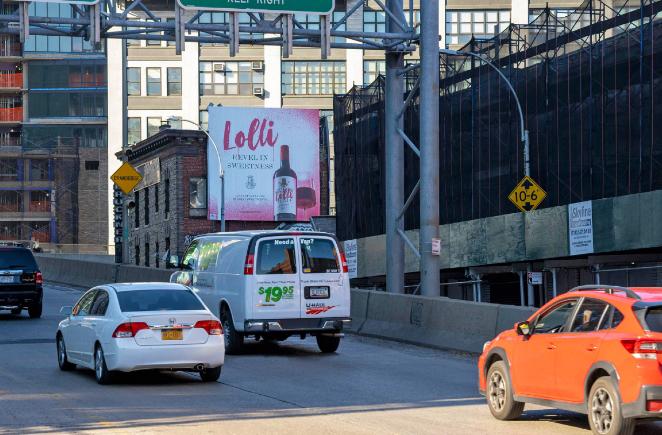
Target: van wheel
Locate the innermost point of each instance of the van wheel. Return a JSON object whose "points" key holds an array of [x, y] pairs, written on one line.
{"points": [[328, 344], [604, 410], [500, 398], [233, 340]]}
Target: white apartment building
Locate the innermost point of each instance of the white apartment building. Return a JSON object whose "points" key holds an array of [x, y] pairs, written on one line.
{"points": [[148, 83]]}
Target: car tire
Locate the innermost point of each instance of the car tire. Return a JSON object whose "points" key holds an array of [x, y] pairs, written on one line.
{"points": [[328, 344], [499, 392], [211, 375], [234, 341], [62, 359], [35, 310], [17, 311], [605, 412], [103, 375]]}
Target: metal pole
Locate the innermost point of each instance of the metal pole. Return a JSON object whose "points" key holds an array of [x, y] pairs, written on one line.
{"points": [[395, 166], [220, 167], [429, 145], [554, 290], [125, 217], [525, 133]]}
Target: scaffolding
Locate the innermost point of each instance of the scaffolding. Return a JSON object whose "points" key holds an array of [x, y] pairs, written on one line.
{"points": [[589, 83]]}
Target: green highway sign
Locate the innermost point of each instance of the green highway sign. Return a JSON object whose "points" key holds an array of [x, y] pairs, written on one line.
{"points": [[319, 7]]}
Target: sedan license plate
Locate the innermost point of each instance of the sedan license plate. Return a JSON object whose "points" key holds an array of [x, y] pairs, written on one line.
{"points": [[172, 334], [6, 279], [319, 292]]}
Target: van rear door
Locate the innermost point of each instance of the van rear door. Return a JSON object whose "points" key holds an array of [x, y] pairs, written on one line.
{"points": [[276, 288], [322, 280]]}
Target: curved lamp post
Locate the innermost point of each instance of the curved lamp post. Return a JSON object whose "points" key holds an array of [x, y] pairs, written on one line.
{"points": [[220, 166], [525, 133]]}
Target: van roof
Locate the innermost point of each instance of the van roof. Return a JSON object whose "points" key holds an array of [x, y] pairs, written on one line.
{"points": [[265, 233]]}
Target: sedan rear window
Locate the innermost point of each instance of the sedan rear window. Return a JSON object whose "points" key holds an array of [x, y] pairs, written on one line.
{"points": [[16, 259], [654, 319], [158, 300], [319, 255]]}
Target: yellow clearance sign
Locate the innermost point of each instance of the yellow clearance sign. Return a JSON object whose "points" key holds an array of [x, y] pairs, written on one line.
{"points": [[527, 196], [126, 177]]}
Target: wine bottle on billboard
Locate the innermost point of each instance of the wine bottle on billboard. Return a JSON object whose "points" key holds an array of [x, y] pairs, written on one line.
{"points": [[285, 188]]}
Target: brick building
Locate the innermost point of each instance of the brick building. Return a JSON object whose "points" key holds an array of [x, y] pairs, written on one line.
{"points": [[170, 205]]}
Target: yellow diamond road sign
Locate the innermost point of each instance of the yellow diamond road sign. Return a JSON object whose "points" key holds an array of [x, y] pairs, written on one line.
{"points": [[126, 177], [527, 195]]}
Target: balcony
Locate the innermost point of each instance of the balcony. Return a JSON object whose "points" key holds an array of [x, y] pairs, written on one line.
{"points": [[40, 206], [11, 80], [11, 114], [86, 80], [9, 208], [8, 48], [10, 142]]}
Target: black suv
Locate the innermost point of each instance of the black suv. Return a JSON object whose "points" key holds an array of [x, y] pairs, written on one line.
{"points": [[20, 281]]}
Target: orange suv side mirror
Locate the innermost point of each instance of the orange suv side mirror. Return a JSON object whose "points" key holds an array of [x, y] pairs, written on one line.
{"points": [[523, 328]]}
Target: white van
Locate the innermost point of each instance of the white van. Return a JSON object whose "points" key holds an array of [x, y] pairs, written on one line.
{"points": [[270, 284]]}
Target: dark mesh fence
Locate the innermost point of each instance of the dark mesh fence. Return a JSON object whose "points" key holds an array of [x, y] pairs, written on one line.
{"points": [[589, 84]]}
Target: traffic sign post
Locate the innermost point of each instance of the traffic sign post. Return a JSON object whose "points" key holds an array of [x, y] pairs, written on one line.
{"points": [[528, 195], [126, 177]]}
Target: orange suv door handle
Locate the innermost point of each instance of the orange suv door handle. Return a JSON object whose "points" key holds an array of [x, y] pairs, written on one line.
{"points": [[591, 347], [551, 346]]}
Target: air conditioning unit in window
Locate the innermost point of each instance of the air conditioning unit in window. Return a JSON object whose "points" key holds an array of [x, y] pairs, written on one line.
{"points": [[258, 91], [219, 67], [257, 66]]}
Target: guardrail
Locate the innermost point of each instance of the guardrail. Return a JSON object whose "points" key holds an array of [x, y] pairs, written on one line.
{"points": [[435, 322]]}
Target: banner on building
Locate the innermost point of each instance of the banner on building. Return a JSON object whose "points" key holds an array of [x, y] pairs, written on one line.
{"points": [[151, 173], [352, 256], [580, 228], [270, 160]]}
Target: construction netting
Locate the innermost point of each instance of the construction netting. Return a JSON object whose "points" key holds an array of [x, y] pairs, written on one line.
{"points": [[588, 80]]}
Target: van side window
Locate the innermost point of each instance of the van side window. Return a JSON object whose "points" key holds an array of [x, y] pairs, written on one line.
{"points": [[209, 255], [191, 256], [276, 257], [318, 255]]}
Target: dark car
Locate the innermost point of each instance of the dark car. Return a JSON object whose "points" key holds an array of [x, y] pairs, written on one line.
{"points": [[20, 281]]}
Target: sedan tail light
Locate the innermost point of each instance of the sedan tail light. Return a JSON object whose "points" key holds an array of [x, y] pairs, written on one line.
{"points": [[38, 278], [343, 260], [129, 329], [213, 327], [644, 349], [248, 266]]}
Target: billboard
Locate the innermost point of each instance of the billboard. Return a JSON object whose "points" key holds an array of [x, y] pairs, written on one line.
{"points": [[270, 161]]}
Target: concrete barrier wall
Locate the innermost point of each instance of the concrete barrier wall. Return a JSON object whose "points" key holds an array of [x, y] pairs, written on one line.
{"points": [[436, 322]]}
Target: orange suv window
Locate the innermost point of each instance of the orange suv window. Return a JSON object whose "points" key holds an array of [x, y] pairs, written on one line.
{"points": [[552, 322], [589, 315], [612, 319]]}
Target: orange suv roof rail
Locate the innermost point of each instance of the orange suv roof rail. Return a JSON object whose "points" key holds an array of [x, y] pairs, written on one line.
{"points": [[609, 289]]}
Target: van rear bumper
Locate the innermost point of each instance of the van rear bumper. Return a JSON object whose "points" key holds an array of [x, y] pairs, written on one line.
{"points": [[297, 325]]}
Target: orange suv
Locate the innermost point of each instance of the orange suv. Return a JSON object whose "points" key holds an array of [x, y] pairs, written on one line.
{"points": [[595, 350]]}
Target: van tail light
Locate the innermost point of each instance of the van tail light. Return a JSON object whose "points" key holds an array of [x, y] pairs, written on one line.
{"points": [[38, 278], [644, 349], [248, 266], [129, 329], [343, 260], [213, 327], [654, 405]]}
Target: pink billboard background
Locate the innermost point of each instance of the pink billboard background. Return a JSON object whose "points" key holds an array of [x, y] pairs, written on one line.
{"points": [[249, 142]]}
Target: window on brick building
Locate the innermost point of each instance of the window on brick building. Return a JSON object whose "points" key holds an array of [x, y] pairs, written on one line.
{"points": [[167, 246], [153, 81], [136, 209], [156, 197], [146, 254], [198, 192], [146, 205], [133, 81], [167, 197], [91, 165], [156, 255], [137, 255]]}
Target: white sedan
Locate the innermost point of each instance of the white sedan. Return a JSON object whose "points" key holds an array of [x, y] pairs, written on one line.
{"points": [[127, 327]]}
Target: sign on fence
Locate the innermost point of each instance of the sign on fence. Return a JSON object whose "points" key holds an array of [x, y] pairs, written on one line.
{"points": [[580, 228]]}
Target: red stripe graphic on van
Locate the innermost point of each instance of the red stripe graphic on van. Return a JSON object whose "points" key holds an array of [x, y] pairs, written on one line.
{"points": [[318, 310]]}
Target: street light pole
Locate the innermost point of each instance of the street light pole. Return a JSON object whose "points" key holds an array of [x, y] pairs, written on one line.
{"points": [[220, 166], [525, 133]]}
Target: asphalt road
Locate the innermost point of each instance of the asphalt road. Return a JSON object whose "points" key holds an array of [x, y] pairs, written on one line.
{"points": [[368, 386]]}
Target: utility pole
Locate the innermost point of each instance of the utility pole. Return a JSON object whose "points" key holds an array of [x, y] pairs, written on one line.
{"points": [[429, 145], [395, 191]]}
